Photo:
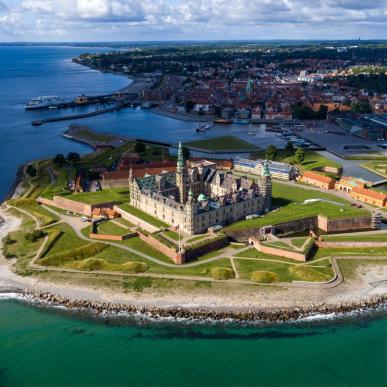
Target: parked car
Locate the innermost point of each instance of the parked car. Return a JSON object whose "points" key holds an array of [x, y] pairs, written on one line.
{"points": [[85, 219]]}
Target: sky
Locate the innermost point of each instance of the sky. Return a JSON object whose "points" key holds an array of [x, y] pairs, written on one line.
{"points": [[143, 20]]}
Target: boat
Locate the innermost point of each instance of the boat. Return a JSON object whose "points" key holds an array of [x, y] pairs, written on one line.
{"points": [[222, 121], [43, 102], [251, 133], [200, 129]]}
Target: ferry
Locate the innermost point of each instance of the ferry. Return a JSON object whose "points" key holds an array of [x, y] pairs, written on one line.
{"points": [[43, 102]]}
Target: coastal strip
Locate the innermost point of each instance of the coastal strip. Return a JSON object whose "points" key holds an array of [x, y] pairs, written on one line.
{"points": [[252, 315]]}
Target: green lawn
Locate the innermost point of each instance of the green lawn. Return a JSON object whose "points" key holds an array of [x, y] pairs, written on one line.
{"points": [[284, 272], [60, 185], [299, 242], [90, 134], [144, 216], [67, 241], [118, 195], [221, 144], [197, 238], [30, 205], [379, 167], [172, 234], [111, 228], [139, 245], [290, 200], [361, 237]]}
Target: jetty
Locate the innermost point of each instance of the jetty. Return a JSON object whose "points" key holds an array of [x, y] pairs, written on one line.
{"points": [[115, 107]]}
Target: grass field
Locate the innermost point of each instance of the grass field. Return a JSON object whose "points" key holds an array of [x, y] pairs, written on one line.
{"points": [[172, 234], [290, 201], [118, 195], [380, 237], [67, 242], [144, 216], [100, 137], [60, 185], [379, 167], [221, 144], [285, 272], [112, 229], [43, 216]]}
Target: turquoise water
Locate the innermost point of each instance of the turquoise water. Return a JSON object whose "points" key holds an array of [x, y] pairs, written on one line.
{"points": [[51, 347]]}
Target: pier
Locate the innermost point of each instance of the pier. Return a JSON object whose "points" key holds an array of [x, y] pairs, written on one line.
{"points": [[117, 106]]}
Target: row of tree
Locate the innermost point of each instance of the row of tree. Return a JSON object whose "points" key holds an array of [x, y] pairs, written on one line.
{"points": [[299, 153]]}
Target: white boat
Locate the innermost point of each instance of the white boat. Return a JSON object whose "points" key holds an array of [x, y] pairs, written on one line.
{"points": [[43, 102]]}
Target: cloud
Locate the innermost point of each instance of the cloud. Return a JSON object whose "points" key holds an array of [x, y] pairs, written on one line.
{"points": [[211, 19]]}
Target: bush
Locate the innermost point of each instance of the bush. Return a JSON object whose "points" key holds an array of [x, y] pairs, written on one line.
{"points": [[222, 273], [134, 267], [264, 276], [91, 264], [7, 240], [35, 235]]}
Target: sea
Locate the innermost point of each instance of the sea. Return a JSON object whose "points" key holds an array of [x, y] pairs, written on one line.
{"points": [[44, 346]]}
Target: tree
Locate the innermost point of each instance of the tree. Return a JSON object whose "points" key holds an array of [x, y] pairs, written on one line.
{"points": [[186, 153], [289, 148], [189, 105], [139, 147], [59, 160], [217, 111], [271, 152], [31, 171], [73, 157], [300, 155], [361, 107]]}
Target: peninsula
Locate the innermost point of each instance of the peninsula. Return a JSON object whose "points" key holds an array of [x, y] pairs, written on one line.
{"points": [[131, 224]]}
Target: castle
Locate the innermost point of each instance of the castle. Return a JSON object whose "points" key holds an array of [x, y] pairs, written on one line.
{"points": [[201, 196]]}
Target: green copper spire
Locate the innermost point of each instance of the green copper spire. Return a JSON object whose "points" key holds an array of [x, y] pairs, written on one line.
{"points": [[180, 158], [266, 171]]}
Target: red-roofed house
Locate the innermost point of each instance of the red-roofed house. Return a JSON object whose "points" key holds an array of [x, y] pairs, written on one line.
{"points": [[317, 180], [369, 196]]}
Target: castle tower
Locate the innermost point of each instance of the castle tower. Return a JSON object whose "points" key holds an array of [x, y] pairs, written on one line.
{"points": [[266, 186], [181, 176], [190, 209]]}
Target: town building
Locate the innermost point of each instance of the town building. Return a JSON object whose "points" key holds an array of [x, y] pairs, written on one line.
{"points": [[318, 180], [195, 199], [369, 196], [277, 170]]}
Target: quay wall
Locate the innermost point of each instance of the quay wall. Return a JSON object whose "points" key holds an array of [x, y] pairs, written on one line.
{"points": [[178, 258], [297, 256], [72, 205], [344, 224]]}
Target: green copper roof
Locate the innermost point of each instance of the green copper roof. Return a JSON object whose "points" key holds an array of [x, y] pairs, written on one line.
{"points": [[180, 157], [266, 171], [202, 197]]}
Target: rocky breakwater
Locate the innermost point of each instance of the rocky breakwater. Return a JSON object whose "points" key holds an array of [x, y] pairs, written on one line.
{"points": [[251, 315]]}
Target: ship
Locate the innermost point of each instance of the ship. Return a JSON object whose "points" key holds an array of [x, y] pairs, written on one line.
{"points": [[43, 102], [222, 121]]}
